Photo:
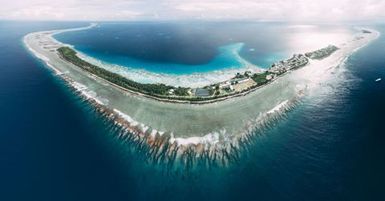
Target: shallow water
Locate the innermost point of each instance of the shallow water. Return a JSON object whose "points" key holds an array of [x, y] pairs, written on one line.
{"points": [[53, 146], [185, 48]]}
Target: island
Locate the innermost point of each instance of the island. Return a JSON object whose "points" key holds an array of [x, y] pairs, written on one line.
{"points": [[194, 126], [240, 84]]}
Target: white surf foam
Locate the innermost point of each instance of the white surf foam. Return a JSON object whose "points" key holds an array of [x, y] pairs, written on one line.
{"points": [[187, 80], [278, 107], [211, 138], [315, 73]]}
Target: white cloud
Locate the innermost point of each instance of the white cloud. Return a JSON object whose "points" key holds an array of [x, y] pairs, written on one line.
{"points": [[299, 10], [205, 6]]}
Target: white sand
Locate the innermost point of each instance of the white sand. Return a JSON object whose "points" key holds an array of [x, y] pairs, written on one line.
{"points": [[192, 124]]}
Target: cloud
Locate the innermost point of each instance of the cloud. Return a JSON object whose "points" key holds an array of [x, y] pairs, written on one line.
{"points": [[205, 6], [289, 10], [293, 10], [69, 10]]}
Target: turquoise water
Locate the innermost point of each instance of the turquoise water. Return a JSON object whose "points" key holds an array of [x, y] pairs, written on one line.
{"points": [[185, 48], [54, 146], [227, 58]]}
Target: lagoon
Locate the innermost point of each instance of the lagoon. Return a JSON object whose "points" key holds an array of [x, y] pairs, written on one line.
{"points": [[192, 47]]}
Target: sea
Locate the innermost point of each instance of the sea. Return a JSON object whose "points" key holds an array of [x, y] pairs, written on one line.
{"points": [[55, 146], [181, 48]]}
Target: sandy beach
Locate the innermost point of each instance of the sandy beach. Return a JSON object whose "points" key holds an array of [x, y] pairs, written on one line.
{"points": [[185, 124]]}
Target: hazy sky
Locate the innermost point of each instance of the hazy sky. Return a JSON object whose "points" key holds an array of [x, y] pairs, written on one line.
{"points": [[293, 10]]}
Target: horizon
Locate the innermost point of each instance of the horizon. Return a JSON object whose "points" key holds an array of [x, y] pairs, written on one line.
{"points": [[188, 10], [193, 100], [123, 21]]}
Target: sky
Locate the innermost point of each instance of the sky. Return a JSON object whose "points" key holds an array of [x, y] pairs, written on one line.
{"points": [[130, 10]]}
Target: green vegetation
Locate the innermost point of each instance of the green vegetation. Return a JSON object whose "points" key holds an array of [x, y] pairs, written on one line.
{"points": [[239, 75], [181, 91], [322, 53], [260, 79], [150, 89], [207, 93]]}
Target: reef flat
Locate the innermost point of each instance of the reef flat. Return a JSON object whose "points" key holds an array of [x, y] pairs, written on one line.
{"points": [[241, 84], [186, 133]]}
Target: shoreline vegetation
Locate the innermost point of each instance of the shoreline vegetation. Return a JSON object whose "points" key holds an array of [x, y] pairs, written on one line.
{"points": [[240, 84], [181, 134]]}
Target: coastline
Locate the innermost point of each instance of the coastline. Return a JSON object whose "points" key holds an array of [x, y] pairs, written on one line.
{"points": [[220, 136], [197, 79]]}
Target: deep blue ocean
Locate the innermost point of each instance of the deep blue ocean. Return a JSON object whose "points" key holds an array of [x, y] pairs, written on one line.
{"points": [[54, 146], [196, 47]]}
